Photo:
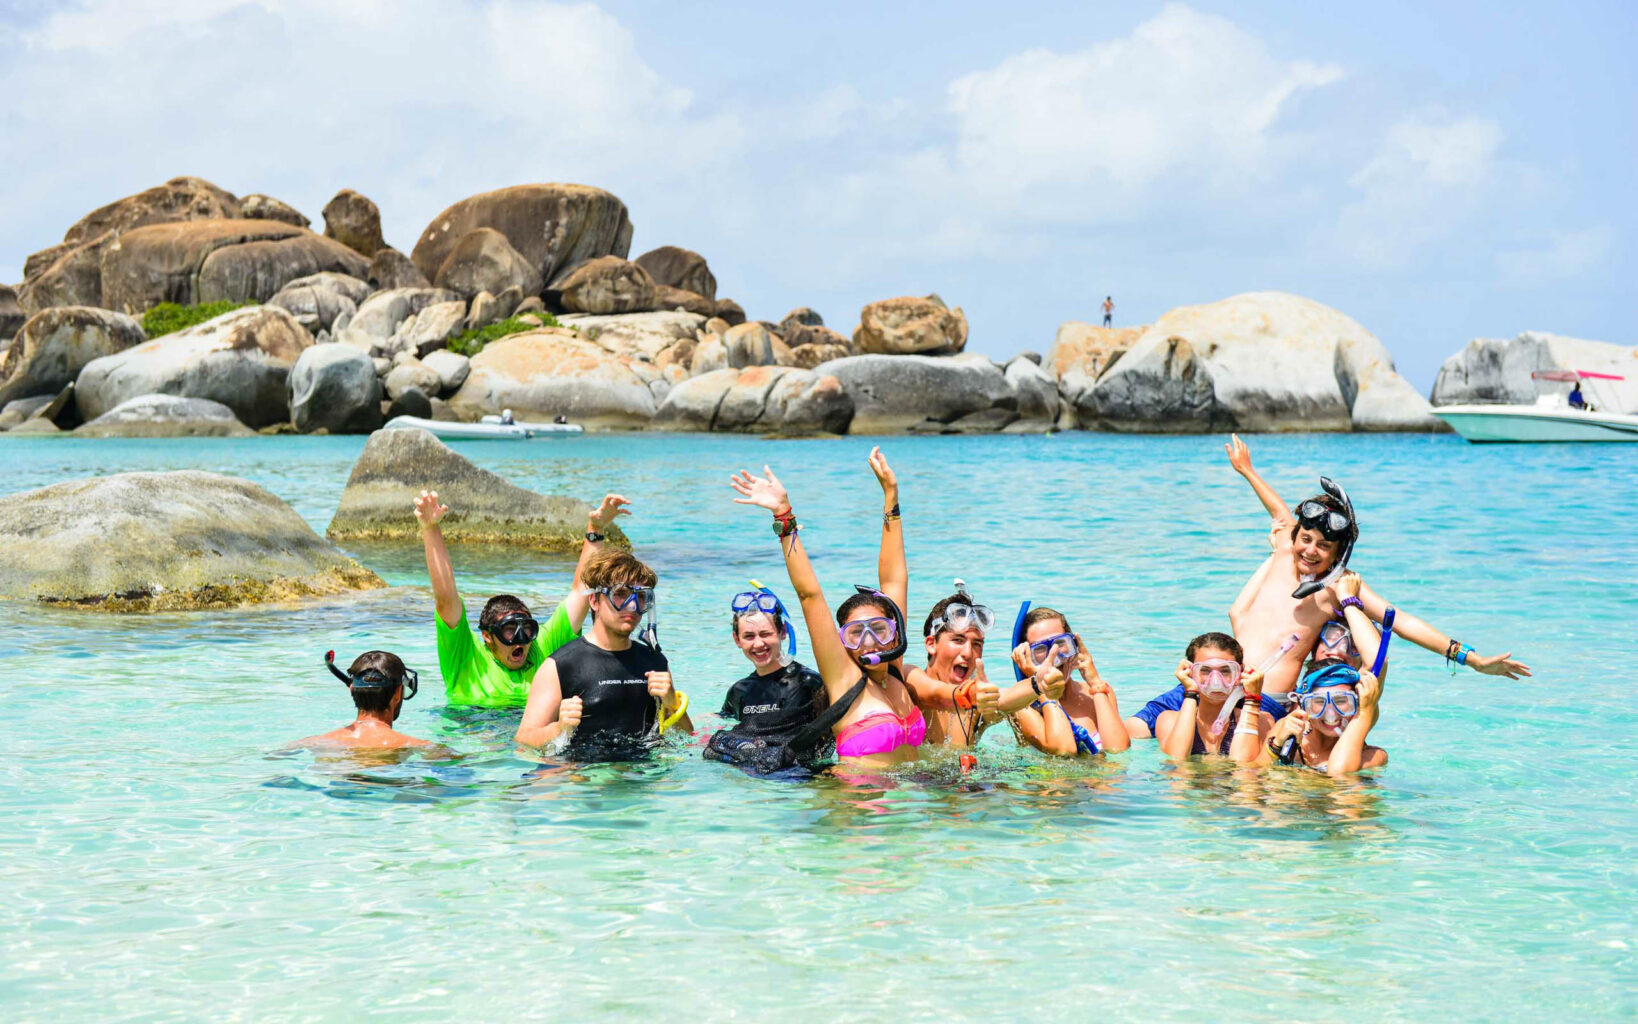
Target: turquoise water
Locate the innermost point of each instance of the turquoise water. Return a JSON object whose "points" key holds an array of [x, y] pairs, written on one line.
{"points": [[163, 860]]}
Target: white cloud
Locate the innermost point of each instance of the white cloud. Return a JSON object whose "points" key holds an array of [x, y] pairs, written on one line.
{"points": [[1432, 173], [1566, 255]]}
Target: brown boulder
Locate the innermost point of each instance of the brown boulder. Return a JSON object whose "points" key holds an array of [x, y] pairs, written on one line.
{"points": [[390, 269], [801, 316], [55, 344], [540, 374], [12, 316], [354, 221], [667, 297], [555, 227], [910, 326], [676, 267], [39, 262], [809, 356], [259, 207], [484, 261], [731, 311], [1087, 349], [605, 285], [177, 200], [74, 278], [212, 260], [799, 334]]}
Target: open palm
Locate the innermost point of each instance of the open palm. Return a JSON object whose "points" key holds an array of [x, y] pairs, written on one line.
{"points": [[762, 491]]}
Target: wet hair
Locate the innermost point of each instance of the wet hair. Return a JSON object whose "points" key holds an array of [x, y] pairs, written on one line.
{"points": [[1219, 641], [617, 566], [498, 608], [1330, 502], [938, 610], [857, 601], [1042, 614], [778, 619], [376, 699]]}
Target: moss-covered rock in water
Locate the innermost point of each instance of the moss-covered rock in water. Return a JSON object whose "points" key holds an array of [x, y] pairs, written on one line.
{"points": [[397, 465], [145, 542]]}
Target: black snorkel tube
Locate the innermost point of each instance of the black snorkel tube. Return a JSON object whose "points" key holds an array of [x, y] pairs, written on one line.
{"points": [[411, 680], [1308, 587], [900, 645]]}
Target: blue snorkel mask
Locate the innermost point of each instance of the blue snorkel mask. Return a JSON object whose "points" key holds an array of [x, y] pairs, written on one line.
{"points": [[766, 601]]}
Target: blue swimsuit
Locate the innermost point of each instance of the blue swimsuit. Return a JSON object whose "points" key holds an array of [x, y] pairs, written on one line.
{"points": [[1085, 742]]}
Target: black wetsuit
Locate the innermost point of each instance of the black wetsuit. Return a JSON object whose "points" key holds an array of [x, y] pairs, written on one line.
{"points": [[775, 712], [618, 716]]}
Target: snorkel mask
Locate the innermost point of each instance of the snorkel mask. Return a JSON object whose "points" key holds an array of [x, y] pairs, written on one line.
{"points": [[1216, 677], [852, 634], [1337, 641], [1060, 649], [626, 596], [960, 616], [516, 629], [1319, 706], [373, 677], [1332, 525], [764, 600]]}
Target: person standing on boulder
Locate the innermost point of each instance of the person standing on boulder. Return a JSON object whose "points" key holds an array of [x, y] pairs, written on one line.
{"points": [[1108, 310], [496, 673]]}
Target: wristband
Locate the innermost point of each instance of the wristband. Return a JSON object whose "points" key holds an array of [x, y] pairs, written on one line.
{"points": [[675, 716], [1035, 685], [1461, 655], [891, 515], [1351, 602], [1244, 730], [593, 537], [1191, 694], [785, 525], [963, 695]]}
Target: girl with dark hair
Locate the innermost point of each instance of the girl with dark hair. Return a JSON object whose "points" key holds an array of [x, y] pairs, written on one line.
{"points": [[1210, 670]]}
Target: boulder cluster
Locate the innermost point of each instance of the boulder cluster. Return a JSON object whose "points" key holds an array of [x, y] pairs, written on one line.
{"points": [[336, 332]]}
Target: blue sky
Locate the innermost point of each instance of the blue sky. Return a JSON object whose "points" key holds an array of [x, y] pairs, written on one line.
{"points": [[1438, 172]]}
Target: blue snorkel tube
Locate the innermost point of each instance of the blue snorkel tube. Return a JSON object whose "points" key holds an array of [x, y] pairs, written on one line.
{"points": [[1018, 638], [1381, 661], [784, 619]]}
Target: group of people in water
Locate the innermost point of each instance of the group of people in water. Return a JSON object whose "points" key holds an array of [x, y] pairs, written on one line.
{"points": [[1298, 681]]}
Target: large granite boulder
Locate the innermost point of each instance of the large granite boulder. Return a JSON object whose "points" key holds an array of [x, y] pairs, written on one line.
{"points": [[1088, 350], [604, 285], [354, 221], [801, 316], [18, 410], [552, 371], [1378, 398], [484, 261], [428, 330], [398, 464], [762, 399], [910, 326], [666, 297], [390, 268], [144, 542], [56, 344], [380, 316], [213, 260], [749, 344], [555, 227], [808, 356], [166, 416], [799, 335], [675, 267], [641, 335], [452, 368], [11, 313], [1497, 370], [892, 394], [410, 373], [65, 275], [241, 359], [318, 299], [180, 199], [259, 207], [1037, 393], [1263, 361], [334, 388]]}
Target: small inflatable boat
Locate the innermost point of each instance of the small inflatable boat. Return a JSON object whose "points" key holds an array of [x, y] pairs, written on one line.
{"points": [[485, 430]]}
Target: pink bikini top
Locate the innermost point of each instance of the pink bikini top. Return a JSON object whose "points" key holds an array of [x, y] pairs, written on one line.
{"points": [[882, 732]]}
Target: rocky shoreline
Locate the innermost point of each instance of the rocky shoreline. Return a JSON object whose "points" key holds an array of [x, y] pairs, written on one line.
{"points": [[523, 298]]}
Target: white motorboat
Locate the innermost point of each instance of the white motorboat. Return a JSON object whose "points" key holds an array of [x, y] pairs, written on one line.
{"points": [[485, 430], [1552, 418]]}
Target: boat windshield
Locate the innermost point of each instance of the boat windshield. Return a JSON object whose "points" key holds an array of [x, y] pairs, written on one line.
{"points": [[1600, 397]]}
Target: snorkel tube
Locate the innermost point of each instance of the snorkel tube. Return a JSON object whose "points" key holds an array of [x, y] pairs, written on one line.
{"points": [[1235, 694], [1381, 661], [1018, 638], [650, 633], [330, 663], [1308, 587], [900, 645]]}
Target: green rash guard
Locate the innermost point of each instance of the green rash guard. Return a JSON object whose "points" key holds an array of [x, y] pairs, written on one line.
{"points": [[472, 675]]}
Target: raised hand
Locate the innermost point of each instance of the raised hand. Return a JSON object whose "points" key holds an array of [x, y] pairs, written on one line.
{"points": [[568, 713], [1182, 674], [987, 695], [1239, 455], [762, 491], [1369, 689], [1021, 658], [1498, 665], [612, 506], [1293, 724], [427, 509], [884, 473], [1347, 585], [1252, 683], [1050, 680]]}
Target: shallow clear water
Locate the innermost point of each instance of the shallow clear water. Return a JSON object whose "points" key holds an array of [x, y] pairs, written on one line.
{"points": [[163, 860]]}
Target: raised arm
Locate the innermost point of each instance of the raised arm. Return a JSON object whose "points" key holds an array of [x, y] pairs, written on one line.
{"points": [[429, 513], [830, 657], [1360, 626], [1106, 712], [1425, 636], [597, 524], [1240, 458], [892, 571], [1351, 753], [1176, 735], [1251, 730]]}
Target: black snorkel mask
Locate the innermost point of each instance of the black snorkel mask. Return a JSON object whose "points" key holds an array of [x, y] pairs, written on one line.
{"points": [[1329, 522], [901, 642], [373, 677]]}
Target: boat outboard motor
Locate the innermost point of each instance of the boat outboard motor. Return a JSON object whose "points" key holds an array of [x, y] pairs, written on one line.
{"points": [[1308, 587]]}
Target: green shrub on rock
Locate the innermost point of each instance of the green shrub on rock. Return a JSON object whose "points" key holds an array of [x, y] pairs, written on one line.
{"points": [[168, 317], [470, 343]]}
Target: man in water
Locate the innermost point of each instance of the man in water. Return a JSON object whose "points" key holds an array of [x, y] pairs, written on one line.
{"points": [[377, 681], [1108, 310], [496, 673], [607, 694], [1306, 546], [955, 693]]}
